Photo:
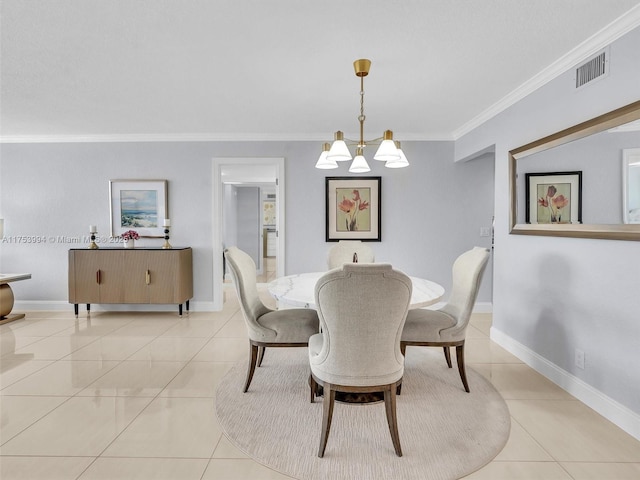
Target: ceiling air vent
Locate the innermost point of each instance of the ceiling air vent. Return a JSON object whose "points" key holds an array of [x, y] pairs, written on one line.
{"points": [[596, 67]]}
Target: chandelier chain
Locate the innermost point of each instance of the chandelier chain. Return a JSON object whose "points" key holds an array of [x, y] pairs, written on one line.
{"points": [[361, 118]]}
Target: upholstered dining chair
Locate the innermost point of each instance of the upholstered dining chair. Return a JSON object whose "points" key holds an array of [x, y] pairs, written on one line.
{"points": [[447, 326], [349, 251], [266, 327], [362, 309]]}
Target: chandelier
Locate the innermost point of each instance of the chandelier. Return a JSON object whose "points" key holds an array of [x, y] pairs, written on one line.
{"points": [[389, 150]]}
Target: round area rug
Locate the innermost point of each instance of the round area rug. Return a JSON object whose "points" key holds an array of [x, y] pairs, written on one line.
{"points": [[445, 432]]}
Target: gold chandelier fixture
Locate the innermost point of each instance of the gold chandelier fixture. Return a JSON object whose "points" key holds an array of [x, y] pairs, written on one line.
{"points": [[389, 150]]}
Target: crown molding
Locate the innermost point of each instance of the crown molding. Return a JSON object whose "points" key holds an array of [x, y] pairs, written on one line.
{"points": [[196, 137], [606, 36], [156, 137]]}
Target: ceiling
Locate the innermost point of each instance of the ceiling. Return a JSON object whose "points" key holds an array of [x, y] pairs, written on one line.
{"points": [[74, 70]]}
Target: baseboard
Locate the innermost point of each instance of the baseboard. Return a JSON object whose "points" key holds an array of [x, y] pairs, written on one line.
{"points": [[62, 305], [613, 411]]}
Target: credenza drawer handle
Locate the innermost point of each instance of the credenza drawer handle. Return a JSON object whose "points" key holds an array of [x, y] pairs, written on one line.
{"points": [[148, 278], [98, 277]]}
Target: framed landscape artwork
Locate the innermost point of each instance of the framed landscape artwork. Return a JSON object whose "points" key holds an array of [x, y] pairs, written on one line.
{"points": [[353, 208], [139, 205], [553, 198]]}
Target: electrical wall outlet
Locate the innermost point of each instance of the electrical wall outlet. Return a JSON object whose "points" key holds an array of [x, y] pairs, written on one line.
{"points": [[579, 358]]}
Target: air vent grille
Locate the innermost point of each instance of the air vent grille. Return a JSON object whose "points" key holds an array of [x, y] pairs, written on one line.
{"points": [[592, 69], [271, 196]]}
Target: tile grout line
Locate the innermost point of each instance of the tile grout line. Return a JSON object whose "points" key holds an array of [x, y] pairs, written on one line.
{"points": [[100, 455]]}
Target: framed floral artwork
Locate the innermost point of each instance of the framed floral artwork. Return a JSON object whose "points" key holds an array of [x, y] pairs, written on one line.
{"points": [[139, 205], [268, 213], [353, 208], [553, 197]]}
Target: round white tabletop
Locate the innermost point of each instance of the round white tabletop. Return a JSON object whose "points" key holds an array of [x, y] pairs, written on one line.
{"points": [[299, 290]]}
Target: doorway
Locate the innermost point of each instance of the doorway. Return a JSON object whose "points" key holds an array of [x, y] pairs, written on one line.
{"points": [[249, 221], [266, 176]]}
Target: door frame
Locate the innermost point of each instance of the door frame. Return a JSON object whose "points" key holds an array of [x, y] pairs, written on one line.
{"points": [[216, 223]]}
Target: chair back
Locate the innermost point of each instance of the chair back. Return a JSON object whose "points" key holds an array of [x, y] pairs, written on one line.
{"points": [[349, 251], [467, 274], [362, 310], [243, 271]]}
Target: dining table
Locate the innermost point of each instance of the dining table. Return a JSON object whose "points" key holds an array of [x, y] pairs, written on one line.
{"points": [[298, 291]]}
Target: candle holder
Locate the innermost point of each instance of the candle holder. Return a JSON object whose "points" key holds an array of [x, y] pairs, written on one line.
{"points": [[93, 245], [166, 238]]}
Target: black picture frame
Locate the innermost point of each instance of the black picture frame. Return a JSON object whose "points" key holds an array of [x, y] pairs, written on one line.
{"points": [[353, 208], [553, 197]]}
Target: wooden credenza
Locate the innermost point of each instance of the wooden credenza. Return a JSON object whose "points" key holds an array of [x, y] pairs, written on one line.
{"points": [[122, 275]]}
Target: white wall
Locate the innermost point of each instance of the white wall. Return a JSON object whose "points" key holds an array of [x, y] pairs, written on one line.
{"points": [[553, 295], [52, 192], [431, 211], [230, 221]]}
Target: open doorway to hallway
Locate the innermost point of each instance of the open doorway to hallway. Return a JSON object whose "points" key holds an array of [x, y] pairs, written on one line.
{"points": [[250, 219], [248, 211]]}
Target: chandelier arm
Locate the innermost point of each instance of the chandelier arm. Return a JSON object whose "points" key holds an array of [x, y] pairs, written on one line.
{"points": [[351, 142]]}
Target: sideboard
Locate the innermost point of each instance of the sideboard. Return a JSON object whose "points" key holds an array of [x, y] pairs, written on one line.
{"points": [[123, 275]]}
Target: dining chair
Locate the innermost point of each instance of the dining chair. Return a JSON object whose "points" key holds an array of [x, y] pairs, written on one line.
{"points": [[349, 251], [362, 309], [447, 326], [266, 327]]}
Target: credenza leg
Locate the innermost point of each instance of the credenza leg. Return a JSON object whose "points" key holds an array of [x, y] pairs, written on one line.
{"points": [[75, 309], [187, 302], [180, 309], [88, 307]]}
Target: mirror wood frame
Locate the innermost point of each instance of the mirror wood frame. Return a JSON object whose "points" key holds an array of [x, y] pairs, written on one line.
{"points": [[615, 118]]}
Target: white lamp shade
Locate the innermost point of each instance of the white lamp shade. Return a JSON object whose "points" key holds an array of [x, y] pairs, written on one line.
{"points": [[400, 163], [339, 151], [324, 162], [387, 151], [359, 165]]}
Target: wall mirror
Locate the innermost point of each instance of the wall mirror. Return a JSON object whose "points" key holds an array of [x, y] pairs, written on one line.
{"points": [[583, 181]]}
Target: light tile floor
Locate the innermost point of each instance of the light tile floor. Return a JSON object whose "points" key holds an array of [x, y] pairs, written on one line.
{"points": [[131, 396]]}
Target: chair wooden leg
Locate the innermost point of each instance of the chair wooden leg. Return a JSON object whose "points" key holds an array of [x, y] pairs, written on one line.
{"points": [[403, 348], [253, 353], [327, 413], [261, 355], [313, 387], [461, 369], [392, 420], [447, 355]]}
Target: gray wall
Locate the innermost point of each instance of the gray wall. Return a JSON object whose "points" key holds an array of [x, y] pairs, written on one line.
{"points": [[431, 211], [553, 295], [248, 214]]}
